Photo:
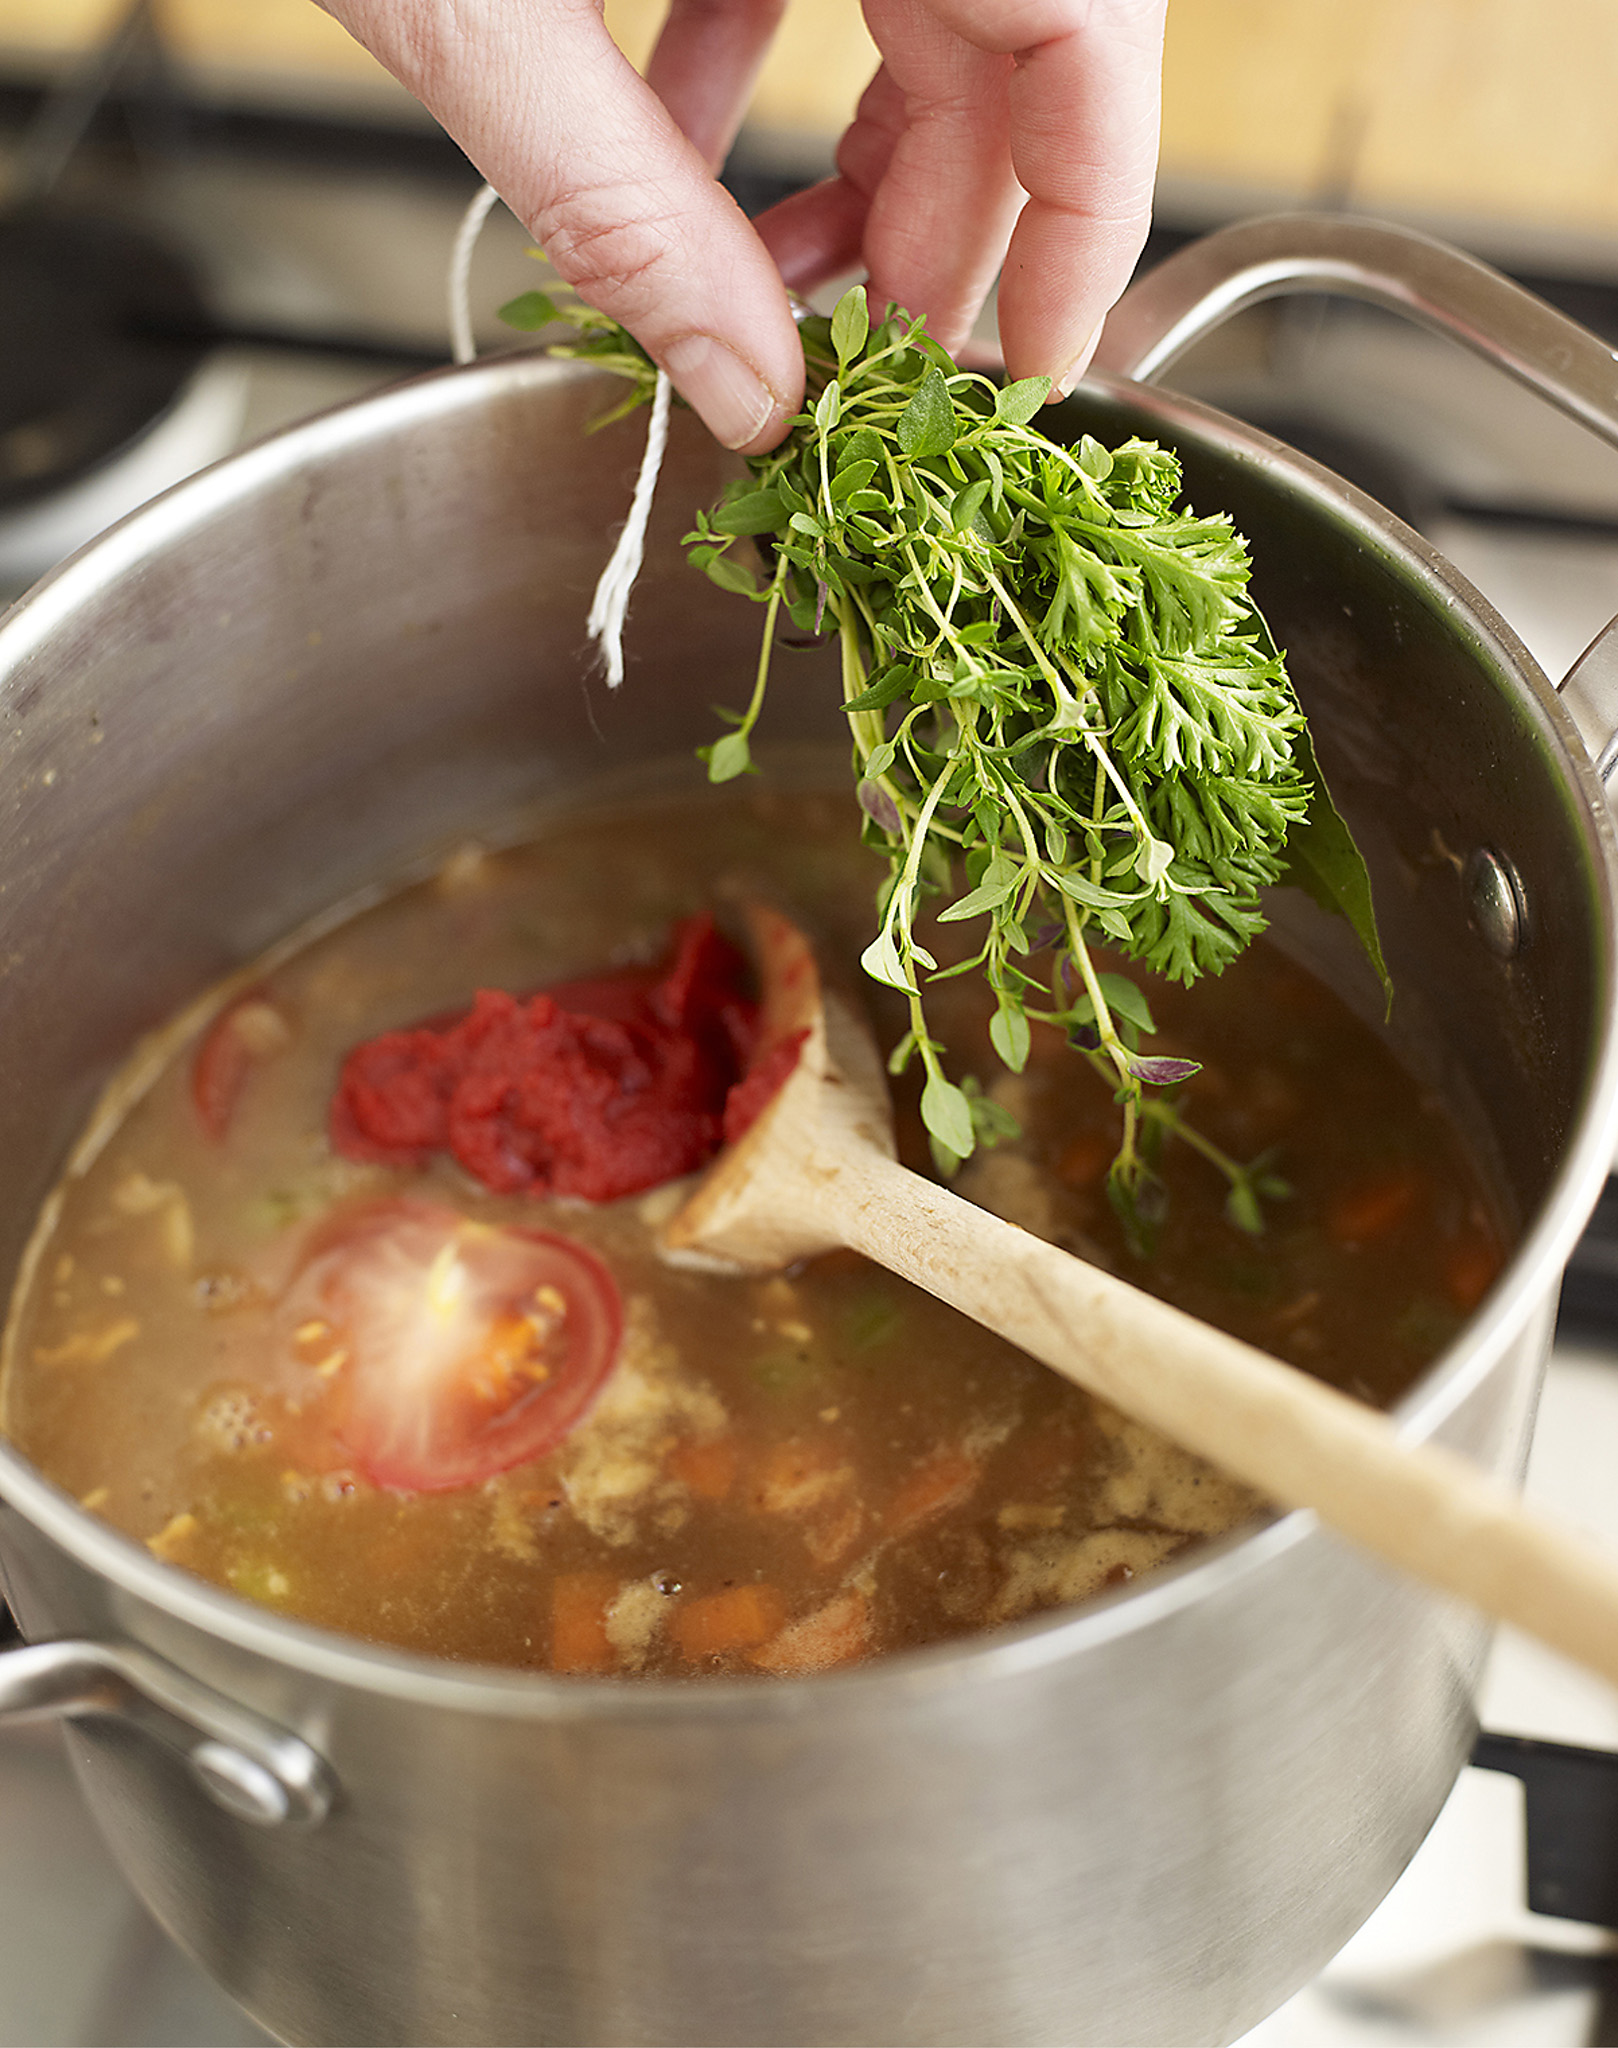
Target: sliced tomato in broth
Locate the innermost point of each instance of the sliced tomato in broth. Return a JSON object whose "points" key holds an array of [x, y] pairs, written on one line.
{"points": [[224, 1060], [467, 1347]]}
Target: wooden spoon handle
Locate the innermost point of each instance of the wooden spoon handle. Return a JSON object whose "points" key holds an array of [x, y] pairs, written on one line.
{"points": [[1420, 1507]]}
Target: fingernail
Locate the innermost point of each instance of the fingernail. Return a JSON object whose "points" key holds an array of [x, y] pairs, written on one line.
{"points": [[1064, 384], [730, 395]]}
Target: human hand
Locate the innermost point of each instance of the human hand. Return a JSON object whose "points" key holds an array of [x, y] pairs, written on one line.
{"points": [[1014, 133], [1022, 131]]}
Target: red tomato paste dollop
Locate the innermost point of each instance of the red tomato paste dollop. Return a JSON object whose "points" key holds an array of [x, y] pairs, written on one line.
{"points": [[598, 1088]]}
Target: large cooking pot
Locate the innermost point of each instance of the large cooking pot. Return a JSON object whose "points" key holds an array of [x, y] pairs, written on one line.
{"points": [[321, 663]]}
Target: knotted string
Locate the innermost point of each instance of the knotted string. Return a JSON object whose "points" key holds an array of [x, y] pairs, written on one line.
{"points": [[611, 605], [462, 345]]}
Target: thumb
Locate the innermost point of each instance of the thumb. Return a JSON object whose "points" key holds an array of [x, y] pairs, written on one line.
{"points": [[556, 118]]}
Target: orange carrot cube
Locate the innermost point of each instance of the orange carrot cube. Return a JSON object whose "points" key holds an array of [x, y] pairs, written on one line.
{"points": [[708, 1469], [579, 1603], [740, 1618]]}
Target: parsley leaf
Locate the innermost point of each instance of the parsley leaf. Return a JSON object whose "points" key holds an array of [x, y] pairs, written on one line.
{"points": [[1059, 691]]}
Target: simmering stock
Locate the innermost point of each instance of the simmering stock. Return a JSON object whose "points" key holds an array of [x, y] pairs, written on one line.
{"points": [[253, 1354]]}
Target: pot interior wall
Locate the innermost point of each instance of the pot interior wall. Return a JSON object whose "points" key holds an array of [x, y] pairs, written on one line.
{"points": [[340, 653]]}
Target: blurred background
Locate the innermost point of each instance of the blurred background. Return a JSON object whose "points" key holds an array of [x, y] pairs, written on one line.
{"points": [[217, 216], [1492, 119]]}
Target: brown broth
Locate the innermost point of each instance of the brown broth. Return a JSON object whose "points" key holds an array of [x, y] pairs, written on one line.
{"points": [[782, 1474]]}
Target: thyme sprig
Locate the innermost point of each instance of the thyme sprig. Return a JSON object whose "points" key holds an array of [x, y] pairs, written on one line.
{"points": [[1059, 692]]}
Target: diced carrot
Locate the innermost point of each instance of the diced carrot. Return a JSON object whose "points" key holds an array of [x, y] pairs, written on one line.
{"points": [[942, 1483], [708, 1469], [1469, 1269], [740, 1618], [838, 1633], [579, 1603], [1374, 1208], [1085, 1159], [800, 1475]]}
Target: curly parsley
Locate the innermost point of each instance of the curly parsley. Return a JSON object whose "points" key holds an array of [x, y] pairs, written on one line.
{"points": [[1061, 696]]}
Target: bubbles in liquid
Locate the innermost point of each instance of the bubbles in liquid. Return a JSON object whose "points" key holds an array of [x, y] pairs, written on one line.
{"points": [[229, 1419]]}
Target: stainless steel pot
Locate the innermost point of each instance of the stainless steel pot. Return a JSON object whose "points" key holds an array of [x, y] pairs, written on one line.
{"points": [[1148, 1821]]}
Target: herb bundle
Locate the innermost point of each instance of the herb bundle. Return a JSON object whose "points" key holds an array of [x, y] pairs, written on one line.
{"points": [[1064, 707]]}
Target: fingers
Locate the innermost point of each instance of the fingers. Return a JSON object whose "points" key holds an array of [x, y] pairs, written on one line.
{"points": [[621, 201], [706, 61], [942, 210], [1084, 126], [980, 106], [926, 196], [816, 234]]}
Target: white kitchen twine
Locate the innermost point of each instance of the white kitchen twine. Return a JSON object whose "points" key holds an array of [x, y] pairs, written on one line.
{"points": [[462, 345], [610, 607]]}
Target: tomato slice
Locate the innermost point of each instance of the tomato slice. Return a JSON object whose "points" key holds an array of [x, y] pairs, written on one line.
{"points": [[250, 1030], [463, 1348]]}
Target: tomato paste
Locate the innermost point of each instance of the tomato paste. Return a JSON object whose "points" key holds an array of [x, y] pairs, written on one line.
{"points": [[598, 1088]]}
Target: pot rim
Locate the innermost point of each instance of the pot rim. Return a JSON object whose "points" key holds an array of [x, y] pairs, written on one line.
{"points": [[994, 1655]]}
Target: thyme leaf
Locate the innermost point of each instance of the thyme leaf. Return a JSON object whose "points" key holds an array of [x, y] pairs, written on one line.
{"points": [[1067, 714]]}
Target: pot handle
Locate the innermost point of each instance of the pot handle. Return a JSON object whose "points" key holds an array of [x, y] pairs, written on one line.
{"points": [[253, 1769], [1200, 286]]}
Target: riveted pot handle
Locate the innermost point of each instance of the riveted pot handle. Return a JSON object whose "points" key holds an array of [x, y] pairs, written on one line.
{"points": [[1201, 286], [246, 1764]]}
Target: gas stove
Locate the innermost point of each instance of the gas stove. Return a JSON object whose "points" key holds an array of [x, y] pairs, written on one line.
{"points": [[316, 255]]}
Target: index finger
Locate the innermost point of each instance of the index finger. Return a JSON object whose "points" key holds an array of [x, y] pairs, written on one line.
{"points": [[559, 123]]}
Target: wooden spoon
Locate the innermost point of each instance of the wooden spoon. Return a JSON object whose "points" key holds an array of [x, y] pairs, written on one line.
{"points": [[816, 1170]]}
